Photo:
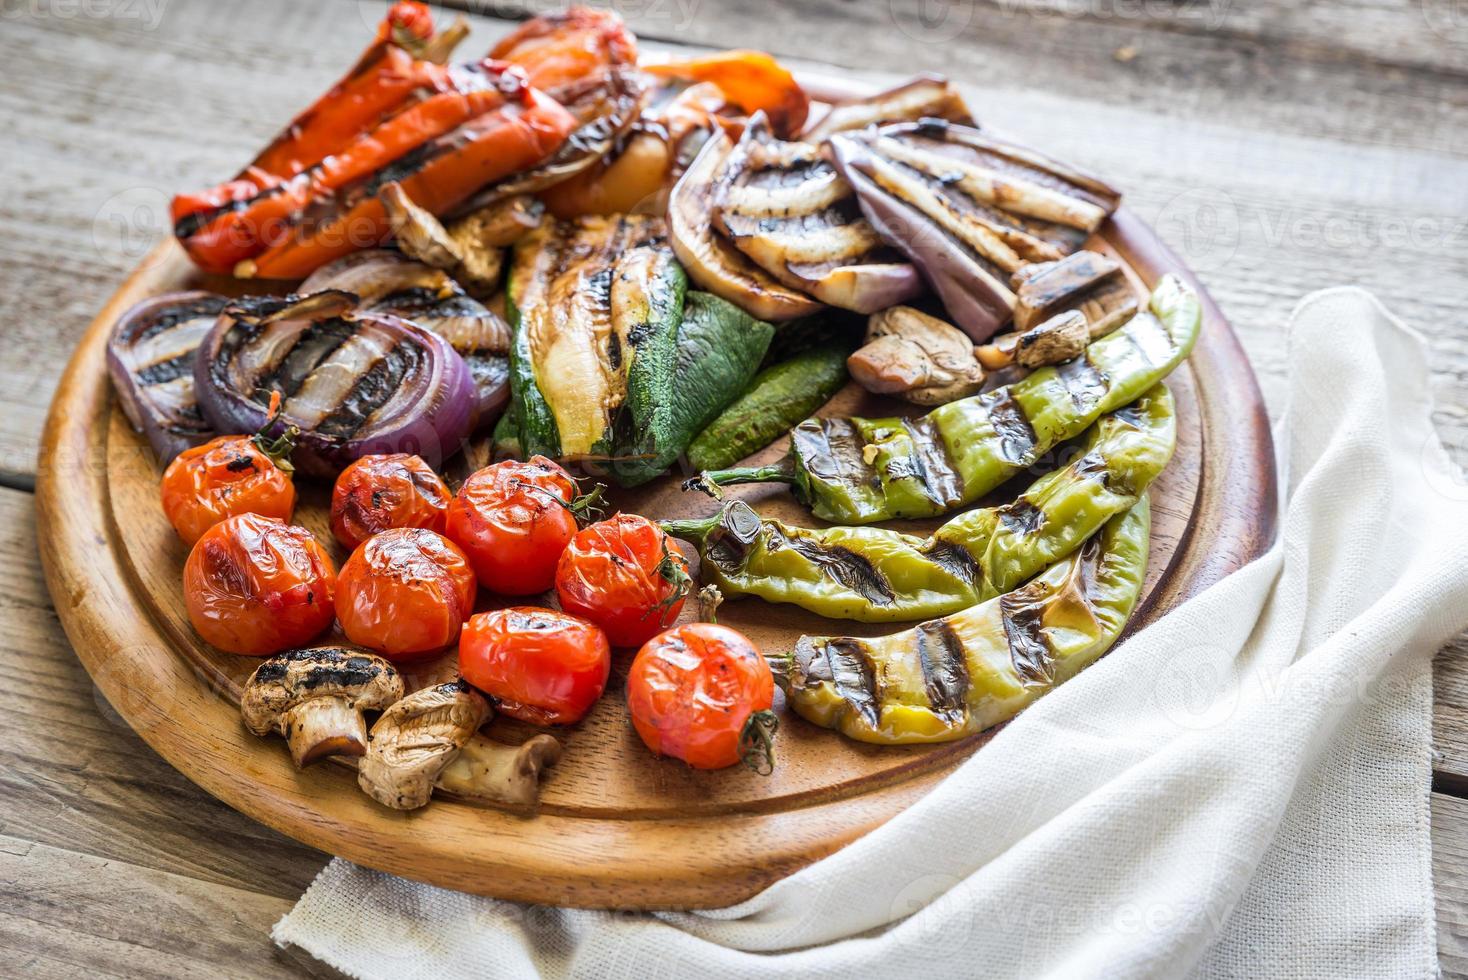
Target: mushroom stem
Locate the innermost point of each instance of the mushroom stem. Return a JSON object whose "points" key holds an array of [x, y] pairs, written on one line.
{"points": [[488, 770], [324, 726]]}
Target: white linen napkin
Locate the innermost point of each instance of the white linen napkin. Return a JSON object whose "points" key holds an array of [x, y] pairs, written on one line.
{"points": [[1239, 790]]}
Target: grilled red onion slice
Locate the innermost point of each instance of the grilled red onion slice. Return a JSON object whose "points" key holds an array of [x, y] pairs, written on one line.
{"points": [[390, 282], [150, 357], [355, 383]]}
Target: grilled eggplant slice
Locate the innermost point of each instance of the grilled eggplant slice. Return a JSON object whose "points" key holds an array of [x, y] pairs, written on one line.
{"points": [[389, 282], [150, 357], [1086, 281], [711, 261], [787, 209], [969, 210], [588, 300], [925, 97]]}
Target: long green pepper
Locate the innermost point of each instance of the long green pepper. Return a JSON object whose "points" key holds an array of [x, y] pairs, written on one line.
{"points": [[856, 470], [964, 673], [875, 575]]}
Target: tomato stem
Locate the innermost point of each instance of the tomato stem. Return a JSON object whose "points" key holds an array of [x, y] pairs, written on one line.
{"points": [[757, 742], [279, 449], [672, 571]]}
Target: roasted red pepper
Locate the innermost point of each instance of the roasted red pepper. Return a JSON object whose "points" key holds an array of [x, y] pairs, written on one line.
{"points": [[401, 65], [561, 49], [437, 175]]}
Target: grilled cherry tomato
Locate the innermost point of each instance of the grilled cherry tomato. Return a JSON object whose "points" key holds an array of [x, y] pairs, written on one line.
{"points": [[257, 585], [375, 493], [405, 593], [702, 693], [540, 665], [227, 476], [513, 520], [625, 576]]}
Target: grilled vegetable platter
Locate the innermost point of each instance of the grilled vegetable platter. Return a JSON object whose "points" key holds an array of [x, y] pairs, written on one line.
{"points": [[565, 431]]}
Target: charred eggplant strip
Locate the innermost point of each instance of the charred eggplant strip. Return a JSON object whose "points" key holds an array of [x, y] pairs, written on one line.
{"points": [[874, 575], [961, 674], [925, 97], [787, 209], [712, 262], [857, 471], [1087, 282], [150, 357], [353, 382], [969, 210]]}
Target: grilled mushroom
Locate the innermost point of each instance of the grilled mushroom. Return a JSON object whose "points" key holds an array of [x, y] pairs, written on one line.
{"points": [[1058, 339], [315, 698], [429, 740], [917, 356], [1086, 281], [470, 248]]}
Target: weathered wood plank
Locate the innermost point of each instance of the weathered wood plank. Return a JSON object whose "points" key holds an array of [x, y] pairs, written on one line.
{"points": [[65, 914], [1450, 879], [73, 775]]}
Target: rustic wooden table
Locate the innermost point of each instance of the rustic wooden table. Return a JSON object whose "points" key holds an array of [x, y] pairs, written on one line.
{"points": [[1279, 147]]}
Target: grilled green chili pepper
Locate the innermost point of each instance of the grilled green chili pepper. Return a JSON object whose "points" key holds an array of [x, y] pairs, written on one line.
{"points": [[856, 471], [777, 398], [879, 576], [967, 672]]}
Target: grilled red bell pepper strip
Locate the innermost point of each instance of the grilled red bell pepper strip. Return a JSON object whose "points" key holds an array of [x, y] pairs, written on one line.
{"points": [[397, 69], [437, 175], [751, 80], [254, 225], [565, 48]]}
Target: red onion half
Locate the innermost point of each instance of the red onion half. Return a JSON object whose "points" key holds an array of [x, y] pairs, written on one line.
{"points": [[150, 357], [354, 383]]}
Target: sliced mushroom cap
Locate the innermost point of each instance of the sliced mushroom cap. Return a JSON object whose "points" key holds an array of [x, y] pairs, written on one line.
{"points": [[916, 356], [496, 773], [1058, 339], [428, 740], [315, 698]]}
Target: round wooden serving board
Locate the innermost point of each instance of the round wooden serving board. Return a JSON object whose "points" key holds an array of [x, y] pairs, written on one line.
{"points": [[617, 827]]}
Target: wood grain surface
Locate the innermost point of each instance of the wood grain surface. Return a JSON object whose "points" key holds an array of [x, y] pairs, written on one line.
{"points": [[1278, 146]]}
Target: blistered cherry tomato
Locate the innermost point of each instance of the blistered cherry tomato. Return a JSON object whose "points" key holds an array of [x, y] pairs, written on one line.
{"points": [[256, 585], [702, 693], [626, 576], [226, 476], [541, 666], [375, 493], [513, 520], [405, 593]]}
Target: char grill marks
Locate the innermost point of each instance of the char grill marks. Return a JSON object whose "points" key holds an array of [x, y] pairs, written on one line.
{"points": [[844, 664], [785, 207], [151, 356], [945, 669], [335, 372]]}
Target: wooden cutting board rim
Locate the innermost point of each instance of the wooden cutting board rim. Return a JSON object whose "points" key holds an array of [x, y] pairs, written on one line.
{"points": [[674, 862]]}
